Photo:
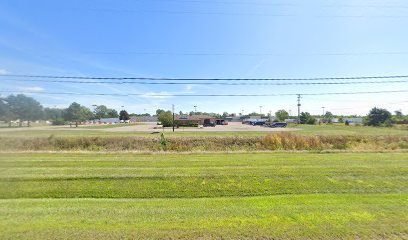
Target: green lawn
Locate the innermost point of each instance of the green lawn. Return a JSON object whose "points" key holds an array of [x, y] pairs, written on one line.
{"points": [[337, 129], [279, 195]]}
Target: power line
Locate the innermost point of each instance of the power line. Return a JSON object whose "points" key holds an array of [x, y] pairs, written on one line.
{"points": [[243, 14], [211, 83], [205, 79], [253, 3], [220, 54], [202, 95]]}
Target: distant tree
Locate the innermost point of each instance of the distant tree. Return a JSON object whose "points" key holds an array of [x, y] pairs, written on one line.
{"points": [[53, 113], [5, 113], [306, 118], [56, 115], [158, 111], [166, 118], [398, 116], [112, 113], [328, 117], [86, 114], [123, 115], [76, 113], [377, 117], [281, 115], [25, 108], [398, 113], [101, 111]]}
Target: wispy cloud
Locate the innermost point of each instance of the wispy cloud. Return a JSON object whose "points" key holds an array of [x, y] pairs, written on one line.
{"points": [[3, 71], [157, 95], [31, 89]]}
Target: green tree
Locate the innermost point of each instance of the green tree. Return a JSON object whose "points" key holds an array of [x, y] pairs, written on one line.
{"points": [[5, 113], [54, 114], [377, 117], [306, 118], [166, 118], [86, 114], [158, 111], [123, 115], [398, 116], [76, 113], [328, 117], [25, 108], [281, 115], [112, 113], [101, 111]]}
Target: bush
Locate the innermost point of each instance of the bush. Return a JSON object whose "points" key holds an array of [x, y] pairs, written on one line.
{"points": [[306, 118], [377, 117], [166, 119]]}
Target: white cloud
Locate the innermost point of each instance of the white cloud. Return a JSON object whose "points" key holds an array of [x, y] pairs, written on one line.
{"points": [[3, 71], [32, 89], [159, 95]]}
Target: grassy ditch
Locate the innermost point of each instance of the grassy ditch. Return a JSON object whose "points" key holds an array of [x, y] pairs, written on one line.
{"points": [[271, 142]]}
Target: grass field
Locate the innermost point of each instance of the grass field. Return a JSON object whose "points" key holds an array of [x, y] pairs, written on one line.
{"points": [[274, 195]]}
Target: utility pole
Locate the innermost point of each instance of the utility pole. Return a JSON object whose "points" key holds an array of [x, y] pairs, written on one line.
{"points": [[260, 110], [298, 105], [195, 110], [323, 110], [173, 116]]}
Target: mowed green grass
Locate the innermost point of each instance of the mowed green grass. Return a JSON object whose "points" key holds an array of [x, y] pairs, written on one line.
{"points": [[274, 195]]}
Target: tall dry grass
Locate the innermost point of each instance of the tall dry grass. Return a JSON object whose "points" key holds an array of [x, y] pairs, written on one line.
{"points": [[273, 142]]}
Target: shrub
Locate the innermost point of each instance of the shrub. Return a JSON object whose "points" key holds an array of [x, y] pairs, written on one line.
{"points": [[377, 116]]}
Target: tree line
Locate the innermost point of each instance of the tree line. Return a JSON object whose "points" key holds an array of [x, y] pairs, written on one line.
{"points": [[26, 109]]}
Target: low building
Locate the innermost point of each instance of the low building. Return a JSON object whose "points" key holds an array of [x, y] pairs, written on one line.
{"points": [[145, 119], [108, 120], [184, 120]]}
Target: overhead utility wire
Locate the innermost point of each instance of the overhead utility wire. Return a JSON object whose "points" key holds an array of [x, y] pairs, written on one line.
{"points": [[285, 4], [203, 79], [210, 83], [202, 54], [203, 95]]}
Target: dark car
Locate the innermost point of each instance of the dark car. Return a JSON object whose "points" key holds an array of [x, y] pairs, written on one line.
{"points": [[208, 123], [279, 125], [258, 123]]}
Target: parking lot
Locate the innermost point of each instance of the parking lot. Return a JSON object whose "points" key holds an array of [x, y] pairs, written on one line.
{"points": [[231, 127]]}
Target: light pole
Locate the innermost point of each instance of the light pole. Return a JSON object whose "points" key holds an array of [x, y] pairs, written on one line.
{"points": [[195, 110], [260, 110], [323, 110], [173, 115]]}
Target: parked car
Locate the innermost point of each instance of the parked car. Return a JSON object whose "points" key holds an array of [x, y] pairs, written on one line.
{"points": [[208, 123], [258, 123], [279, 125]]}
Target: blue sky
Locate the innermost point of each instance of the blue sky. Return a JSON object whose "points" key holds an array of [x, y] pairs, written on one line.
{"points": [[207, 39]]}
